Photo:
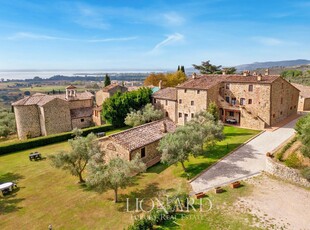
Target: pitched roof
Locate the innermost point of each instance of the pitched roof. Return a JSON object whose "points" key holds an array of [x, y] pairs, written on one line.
{"points": [[304, 90], [81, 112], [111, 86], [265, 79], [210, 80], [169, 93], [70, 87], [41, 99], [202, 82], [142, 135]]}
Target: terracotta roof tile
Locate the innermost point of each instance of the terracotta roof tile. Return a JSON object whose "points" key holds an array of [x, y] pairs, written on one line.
{"points": [[210, 80], [42, 99], [142, 135], [112, 86], [166, 93], [304, 90]]}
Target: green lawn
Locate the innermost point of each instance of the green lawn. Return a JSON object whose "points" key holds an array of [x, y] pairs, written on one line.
{"points": [[234, 137], [48, 195]]}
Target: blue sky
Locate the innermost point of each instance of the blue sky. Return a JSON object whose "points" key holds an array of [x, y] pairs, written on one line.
{"points": [[150, 34]]}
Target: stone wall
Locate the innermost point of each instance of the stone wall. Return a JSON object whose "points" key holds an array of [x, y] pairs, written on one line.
{"points": [[57, 117], [284, 98], [169, 107], [151, 153], [82, 122], [260, 97], [77, 104], [285, 173], [248, 120], [27, 121], [186, 109], [112, 149], [101, 97]]}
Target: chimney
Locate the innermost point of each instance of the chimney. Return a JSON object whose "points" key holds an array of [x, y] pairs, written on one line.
{"points": [[194, 76], [259, 77], [246, 73], [164, 127], [267, 72], [160, 86]]}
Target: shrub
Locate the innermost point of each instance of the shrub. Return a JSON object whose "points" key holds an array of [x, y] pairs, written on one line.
{"points": [[42, 141], [144, 223], [293, 161], [279, 155], [301, 122], [306, 173]]}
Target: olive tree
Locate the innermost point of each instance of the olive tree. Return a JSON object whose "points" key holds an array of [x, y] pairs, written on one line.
{"points": [[117, 173], [202, 131], [82, 150]]}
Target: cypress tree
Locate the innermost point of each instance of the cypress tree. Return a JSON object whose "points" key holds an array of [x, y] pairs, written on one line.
{"points": [[183, 69], [107, 80]]}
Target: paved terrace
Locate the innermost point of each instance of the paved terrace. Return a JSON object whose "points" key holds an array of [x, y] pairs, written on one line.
{"points": [[245, 162]]}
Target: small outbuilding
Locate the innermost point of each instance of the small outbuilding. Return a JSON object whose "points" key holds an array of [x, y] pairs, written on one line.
{"points": [[139, 141]]}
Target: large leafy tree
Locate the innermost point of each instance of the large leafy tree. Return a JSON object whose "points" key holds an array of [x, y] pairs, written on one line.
{"points": [[117, 173], [207, 68], [82, 150], [145, 115], [116, 108], [154, 78], [168, 79], [107, 80], [229, 70], [7, 123], [190, 139]]}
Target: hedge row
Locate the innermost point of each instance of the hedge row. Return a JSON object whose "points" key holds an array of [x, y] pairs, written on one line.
{"points": [[46, 140]]}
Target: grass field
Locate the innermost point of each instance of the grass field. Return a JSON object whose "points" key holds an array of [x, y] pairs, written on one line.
{"points": [[49, 88], [51, 196]]}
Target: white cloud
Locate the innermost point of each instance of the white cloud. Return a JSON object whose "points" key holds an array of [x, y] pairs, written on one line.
{"points": [[112, 39], [171, 39], [269, 41], [173, 19], [31, 36]]}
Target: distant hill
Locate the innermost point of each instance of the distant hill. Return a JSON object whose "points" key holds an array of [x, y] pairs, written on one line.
{"points": [[260, 65]]}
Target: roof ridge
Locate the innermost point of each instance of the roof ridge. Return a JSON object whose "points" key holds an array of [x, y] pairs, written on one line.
{"points": [[139, 126]]}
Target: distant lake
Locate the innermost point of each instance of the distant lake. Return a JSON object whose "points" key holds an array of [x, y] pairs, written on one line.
{"points": [[21, 75]]}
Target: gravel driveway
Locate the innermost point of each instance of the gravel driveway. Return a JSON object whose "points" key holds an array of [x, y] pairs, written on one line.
{"points": [[247, 161]]}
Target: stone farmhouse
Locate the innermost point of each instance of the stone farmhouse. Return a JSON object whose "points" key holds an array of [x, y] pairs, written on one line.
{"points": [[101, 96], [141, 141], [251, 101], [304, 97], [42, 115]]}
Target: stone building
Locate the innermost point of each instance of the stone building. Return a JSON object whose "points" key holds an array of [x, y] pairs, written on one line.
{"points": [[141, 141], [107, 92], [304, 97], [42, 115], [251, 101], [101, 96]]}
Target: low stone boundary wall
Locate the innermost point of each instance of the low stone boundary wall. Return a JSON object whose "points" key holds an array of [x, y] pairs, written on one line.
{"points": [[285, 173]]}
